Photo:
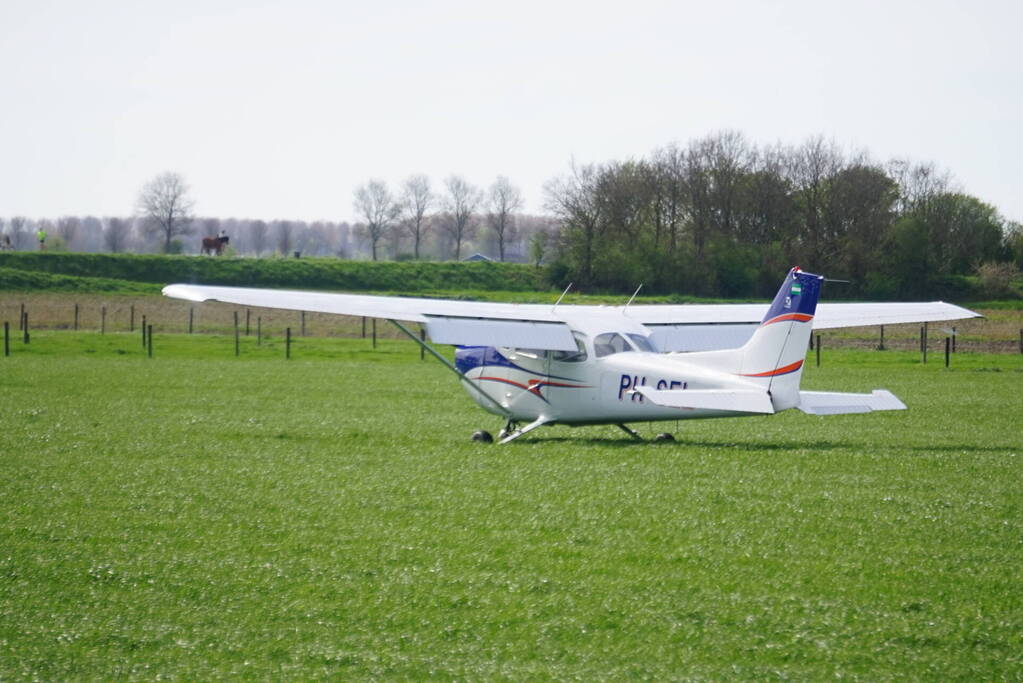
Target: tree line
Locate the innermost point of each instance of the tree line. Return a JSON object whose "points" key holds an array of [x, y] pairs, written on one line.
{"points": [[718, 216], [417, 223], [723, 217]]}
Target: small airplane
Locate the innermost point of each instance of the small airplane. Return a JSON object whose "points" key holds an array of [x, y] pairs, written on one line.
{"points": [[537, 365]]}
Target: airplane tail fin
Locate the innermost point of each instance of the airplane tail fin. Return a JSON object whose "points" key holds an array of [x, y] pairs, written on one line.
{"points": [[774, 355]]}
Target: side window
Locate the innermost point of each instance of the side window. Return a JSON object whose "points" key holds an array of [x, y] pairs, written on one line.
{"points": [[608, 343], [571, 356]]}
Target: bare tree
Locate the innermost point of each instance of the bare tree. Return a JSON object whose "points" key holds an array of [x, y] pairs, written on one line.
{"points": [[67, 229], [416, 199], [116, 233], [504, 200], [19, 232], [285, 235], [574, 201], [812, 165], [258, 233], [165, 202], [461, 203], [376, 206]]}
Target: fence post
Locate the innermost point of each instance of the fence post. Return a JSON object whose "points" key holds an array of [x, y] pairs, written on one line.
{"points": [[880, 347], [143, 331], [303, 322], [191, 318], [103, 320], [948, 349], [131, 323], [76, 317], [953, 339], [237, 349], [422, 338], [7, 338], [923, 341], [363, 327], [374, 333], [259, 330], [287, 343], [21, 318], [149, 342], [24, 327], [1021, 341], [818, 350], [248, 314]]}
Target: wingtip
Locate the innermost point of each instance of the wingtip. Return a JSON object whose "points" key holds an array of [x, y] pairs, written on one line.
{"points": [[185, 292]]}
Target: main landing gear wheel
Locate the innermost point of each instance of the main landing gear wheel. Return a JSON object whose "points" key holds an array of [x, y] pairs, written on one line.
{"points": [[509, 427], [664, 437], [482, 436]]}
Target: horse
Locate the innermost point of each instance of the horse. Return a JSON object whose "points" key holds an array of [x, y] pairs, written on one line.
{"points": [[214, 245]]}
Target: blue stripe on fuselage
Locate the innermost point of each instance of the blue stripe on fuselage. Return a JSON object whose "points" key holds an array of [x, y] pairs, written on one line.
{"points": [[469, 357]]}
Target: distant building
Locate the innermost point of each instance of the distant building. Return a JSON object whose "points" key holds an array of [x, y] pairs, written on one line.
{"points": [[477, 257]]}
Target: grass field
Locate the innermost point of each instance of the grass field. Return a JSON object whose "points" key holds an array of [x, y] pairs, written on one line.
{"points": [[199, 516]]}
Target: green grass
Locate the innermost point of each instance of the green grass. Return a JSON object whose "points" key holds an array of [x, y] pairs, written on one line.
{"points": [[201, 516]]}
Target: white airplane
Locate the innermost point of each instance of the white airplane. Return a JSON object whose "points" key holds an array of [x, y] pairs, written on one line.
{"points": [[538, 365]]}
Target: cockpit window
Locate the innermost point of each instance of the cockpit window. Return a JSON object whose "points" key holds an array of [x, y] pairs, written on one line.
{"points": [[608, 343], [571, 356], [641, 342]]}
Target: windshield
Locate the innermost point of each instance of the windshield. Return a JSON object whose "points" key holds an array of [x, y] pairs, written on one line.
{"points": [[641, 342], [609, 343]]}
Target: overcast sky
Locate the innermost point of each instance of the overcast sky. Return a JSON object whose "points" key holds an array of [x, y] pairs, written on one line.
{"points": [[279, 110]]}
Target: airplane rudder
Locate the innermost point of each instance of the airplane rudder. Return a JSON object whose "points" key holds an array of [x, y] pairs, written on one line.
{"points": [[796, 298]]}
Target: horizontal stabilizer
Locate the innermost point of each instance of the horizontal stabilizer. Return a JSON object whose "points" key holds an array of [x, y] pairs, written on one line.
{"points": [[834, 403], [705, 399]]}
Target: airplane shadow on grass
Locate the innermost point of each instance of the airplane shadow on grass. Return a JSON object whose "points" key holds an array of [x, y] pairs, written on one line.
{"points": [[791, 446]]}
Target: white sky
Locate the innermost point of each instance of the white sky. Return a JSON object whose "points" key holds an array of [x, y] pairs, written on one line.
{"points": [[279, 110]]}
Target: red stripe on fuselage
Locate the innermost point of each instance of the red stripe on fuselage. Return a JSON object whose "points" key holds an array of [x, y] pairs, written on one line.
{"points": [[798, 317], [780, 371], [534, 386]]}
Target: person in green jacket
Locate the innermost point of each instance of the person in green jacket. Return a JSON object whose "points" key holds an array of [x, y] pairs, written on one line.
{"points": [[42, 238]]}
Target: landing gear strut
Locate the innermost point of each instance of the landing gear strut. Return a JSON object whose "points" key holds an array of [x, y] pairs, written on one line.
{"points": [[512, 430], [631, 432], [509, 427]]}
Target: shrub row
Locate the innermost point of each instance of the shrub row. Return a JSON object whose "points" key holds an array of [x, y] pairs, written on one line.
{"points": [[310, 273], [14, 280]]}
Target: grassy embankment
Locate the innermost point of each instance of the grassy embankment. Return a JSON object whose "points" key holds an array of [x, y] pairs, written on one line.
{"points": [[199, 516]]}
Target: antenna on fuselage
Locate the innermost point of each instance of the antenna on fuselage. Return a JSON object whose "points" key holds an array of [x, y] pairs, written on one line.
{"points": [[562, 296], [632, 297]]}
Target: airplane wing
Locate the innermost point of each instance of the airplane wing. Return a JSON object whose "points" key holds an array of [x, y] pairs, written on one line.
{"points": [[834, 403], [706, 399], [688, 327], [470, 323], [827, 316], [703, 327]]}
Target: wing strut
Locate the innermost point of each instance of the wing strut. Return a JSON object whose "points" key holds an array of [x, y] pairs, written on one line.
{"points": [[426, 347]]}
